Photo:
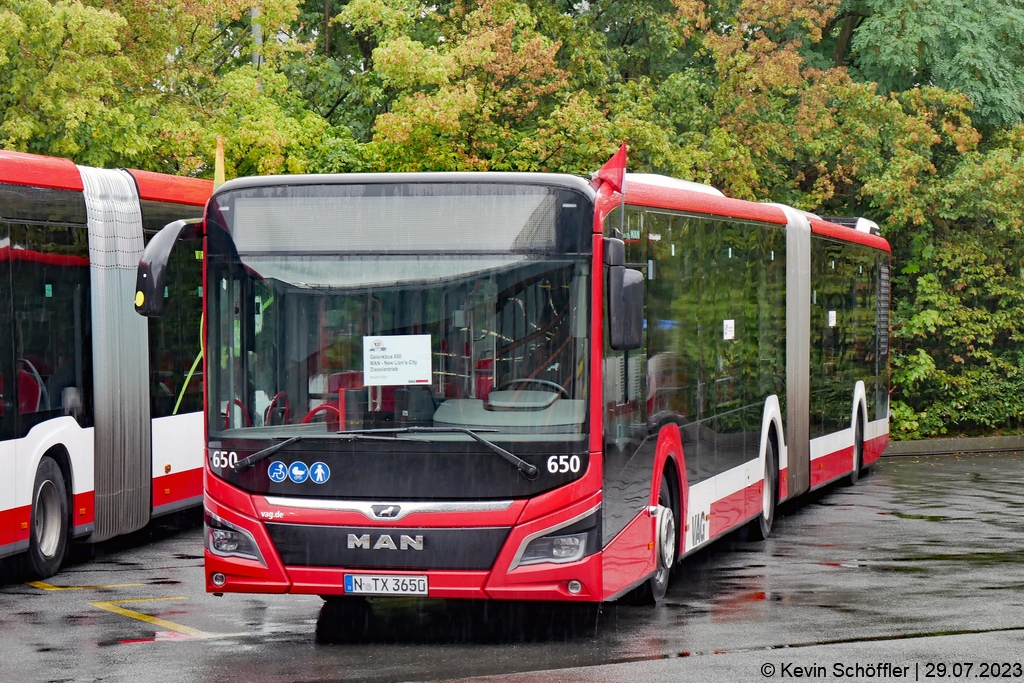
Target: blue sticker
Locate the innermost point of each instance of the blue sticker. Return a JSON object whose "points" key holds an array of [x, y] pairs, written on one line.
{"points": [[277, 471], [298, 472], [319, 473]]}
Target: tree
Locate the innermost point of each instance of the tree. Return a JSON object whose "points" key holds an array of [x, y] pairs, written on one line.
{"points": [[151, 83], [976, 48], [58, 66]]}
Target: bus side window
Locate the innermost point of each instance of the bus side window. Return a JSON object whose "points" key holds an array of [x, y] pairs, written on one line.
{"points": [[175, 367], [50, 266]]}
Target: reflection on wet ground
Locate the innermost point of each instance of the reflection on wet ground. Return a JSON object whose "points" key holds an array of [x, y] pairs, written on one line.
{"points": [[922, 546]]}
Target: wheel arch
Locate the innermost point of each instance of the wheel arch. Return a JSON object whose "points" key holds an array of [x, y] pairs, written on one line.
{"points": [[70, 446], [670, 458], [59, 454], [771, 428], [859, 410], [860, 404]]}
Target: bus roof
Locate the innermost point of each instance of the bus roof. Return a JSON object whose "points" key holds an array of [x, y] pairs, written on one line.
{"points": [[820, 226], [172, 188], [665, 196], [680, 199], [640, 190], [35, 170], [18, 168], [562, 180]]}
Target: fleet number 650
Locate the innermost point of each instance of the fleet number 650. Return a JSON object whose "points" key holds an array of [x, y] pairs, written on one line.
{"points": [[563, 464], [222, 459]]}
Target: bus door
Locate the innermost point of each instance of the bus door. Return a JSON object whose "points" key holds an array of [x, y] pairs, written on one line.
{"points": [[628, 452]]}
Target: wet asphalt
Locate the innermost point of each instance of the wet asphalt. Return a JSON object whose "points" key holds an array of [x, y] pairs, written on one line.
{"points": [[921, 563]]}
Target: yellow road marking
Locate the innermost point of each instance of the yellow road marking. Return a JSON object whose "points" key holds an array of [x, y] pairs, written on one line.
{"points": [[115, 607], [50, 587]]}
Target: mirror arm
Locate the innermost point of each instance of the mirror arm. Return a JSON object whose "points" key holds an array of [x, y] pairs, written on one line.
{"points": [[151, 276]]}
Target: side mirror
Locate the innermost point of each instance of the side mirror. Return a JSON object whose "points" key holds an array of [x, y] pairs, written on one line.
{"points": [[151, 276], [625, 299]]}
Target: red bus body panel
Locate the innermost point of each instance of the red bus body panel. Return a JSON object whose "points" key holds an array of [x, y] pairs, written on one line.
{"points": [[178, 189], [17, 168]]}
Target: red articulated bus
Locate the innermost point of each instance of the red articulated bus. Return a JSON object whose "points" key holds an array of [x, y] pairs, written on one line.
{"points": [[518, 386], [100, 412]]}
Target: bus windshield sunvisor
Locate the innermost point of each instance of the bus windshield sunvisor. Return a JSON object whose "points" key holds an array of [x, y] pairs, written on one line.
{"points": [[493, 219]]}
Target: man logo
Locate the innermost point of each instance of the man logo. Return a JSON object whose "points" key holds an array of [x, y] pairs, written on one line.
{"points": [[386, 511], [385, 542]]}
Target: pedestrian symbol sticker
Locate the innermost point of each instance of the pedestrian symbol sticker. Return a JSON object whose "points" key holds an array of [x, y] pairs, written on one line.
{"points": [[319, 472], [277, 471], [298, 472]]}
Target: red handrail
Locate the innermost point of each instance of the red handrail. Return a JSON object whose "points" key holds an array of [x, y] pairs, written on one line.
{"points": [[322, 406], [270, 408], [245, 413]]}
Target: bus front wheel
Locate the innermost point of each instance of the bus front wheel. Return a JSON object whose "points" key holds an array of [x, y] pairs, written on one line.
{"points": [[48, 538], [666, 544]]}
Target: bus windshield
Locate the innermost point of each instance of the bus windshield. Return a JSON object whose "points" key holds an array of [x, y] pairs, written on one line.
{"points": [[308, 344]]}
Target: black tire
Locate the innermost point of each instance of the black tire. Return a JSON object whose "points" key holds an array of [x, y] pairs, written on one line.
{"points": [[48, 530], [653, 590], [761, 528], [858, 453], [344, 620]]}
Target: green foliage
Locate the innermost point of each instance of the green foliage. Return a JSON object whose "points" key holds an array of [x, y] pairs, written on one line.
{"points": [[57, 74], [907, 112], [976, 48]]}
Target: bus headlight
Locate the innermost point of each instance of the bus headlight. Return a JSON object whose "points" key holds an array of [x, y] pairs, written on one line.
{"points": [[558, 549], [227, 540]]}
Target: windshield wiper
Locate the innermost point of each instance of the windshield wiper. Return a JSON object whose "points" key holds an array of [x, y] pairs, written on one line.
{"points": [[247, 462], [528, 470]]}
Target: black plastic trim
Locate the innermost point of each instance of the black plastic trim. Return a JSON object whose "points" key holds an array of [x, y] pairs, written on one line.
{"points": [[304, 545]]}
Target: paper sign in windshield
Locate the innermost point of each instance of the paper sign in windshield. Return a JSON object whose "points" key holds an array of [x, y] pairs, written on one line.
{"points": [[396, 360]]}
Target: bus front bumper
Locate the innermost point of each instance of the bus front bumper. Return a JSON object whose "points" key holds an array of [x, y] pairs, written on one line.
{"points": [[290, 557]]}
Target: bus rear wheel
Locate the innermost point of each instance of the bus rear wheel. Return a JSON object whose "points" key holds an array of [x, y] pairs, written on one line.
{"points": [[858, 453], [666, 544], [761, 528], [48, 538]]}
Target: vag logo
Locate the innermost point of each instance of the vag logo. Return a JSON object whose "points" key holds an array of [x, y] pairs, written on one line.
{"points": [[385, 542], [699, 528]]}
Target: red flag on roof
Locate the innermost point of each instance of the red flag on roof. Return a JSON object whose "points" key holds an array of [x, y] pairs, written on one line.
{"points": [[614, 171]]}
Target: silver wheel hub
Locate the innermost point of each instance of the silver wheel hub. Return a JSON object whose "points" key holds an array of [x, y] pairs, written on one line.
{"points": [[46, 519], [666, 537]]}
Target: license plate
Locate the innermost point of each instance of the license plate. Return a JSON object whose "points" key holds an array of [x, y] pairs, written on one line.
{"points": [[375, 584]]}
